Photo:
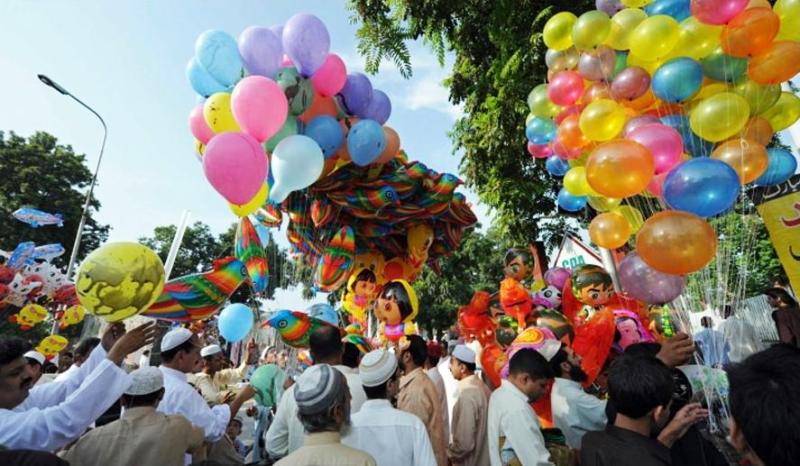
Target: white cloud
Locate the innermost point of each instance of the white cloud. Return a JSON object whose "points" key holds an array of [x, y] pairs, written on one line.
{"points": [[429, 93]]}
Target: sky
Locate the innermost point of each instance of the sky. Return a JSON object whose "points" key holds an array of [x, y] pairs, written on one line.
{"points": [[126, 59]]}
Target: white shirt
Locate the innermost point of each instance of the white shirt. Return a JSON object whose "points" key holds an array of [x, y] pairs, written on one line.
{"points": [[144, 360], [59, 412], [450, 387], [741, 338], [66, 374], [438, 382], [576, 412], [391, 436], [511, 417], [286, 433], [181, 398]]}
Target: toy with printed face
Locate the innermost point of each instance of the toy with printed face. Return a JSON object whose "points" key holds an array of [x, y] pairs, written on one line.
{"points": [[29, 316], [20, 289], [361, 290], [475, 320], [52, 345], [396, 308], [514, 297], [373, 261], [72, 316], [419, 239], [628, 330], [49, 275], [516, 264], [592, 286], [548, 298]]}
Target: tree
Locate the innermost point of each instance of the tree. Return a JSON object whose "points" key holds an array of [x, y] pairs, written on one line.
{"points": [[38, 172], [499, 58]]}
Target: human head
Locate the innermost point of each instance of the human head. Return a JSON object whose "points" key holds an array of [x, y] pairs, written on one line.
{"points": [[707, 322], [323, 400], [84, 349], [65, 359], [727, 311], [325, 345], [213, 358], [765, 409], [180, 350], [412, 353], [283, 359], [462, 362], [397, 303], [146, 388], [35, 362], [379, 371], [529, 372], [434, 354], [351, 355], [778, 297], [16, 378], [234, 428], [641, 386], [566, 364], [269, 355]]}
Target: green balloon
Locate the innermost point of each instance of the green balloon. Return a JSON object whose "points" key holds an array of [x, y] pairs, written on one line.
{"points": [[289, 128], [299, 91]]}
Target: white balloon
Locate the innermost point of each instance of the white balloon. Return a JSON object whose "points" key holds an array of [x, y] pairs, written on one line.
{"points": [[297, 162]]}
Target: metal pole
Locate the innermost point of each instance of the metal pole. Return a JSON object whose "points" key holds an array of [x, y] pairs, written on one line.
{"points": [[176, 243]]}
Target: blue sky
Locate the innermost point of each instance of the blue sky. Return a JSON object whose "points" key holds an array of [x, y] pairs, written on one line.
{"points": [[126, 59]]}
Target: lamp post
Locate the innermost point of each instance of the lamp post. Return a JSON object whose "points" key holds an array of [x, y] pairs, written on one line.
{"points": [[74, 255]]}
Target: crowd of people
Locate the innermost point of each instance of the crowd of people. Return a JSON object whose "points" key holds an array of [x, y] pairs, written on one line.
{"points": [[420, 403]]}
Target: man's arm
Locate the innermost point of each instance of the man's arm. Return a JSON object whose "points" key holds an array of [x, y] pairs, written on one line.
{"points": [[465, 415], [277, 442], [525, 437]]}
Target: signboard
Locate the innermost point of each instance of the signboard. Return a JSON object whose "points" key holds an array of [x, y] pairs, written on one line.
{"points": [[573, 252]]}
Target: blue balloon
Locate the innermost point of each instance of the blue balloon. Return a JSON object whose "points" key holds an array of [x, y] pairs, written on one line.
{"points": [[365, 142], [235, 322], [218, 53], [570, 202], [677, 79], [722, 67], [678, 9], [379, 107], [201, 81], [541, 130], [327, 132], [702, 186], [556, 166], [263, 233], [693, 144], [780, 168]]}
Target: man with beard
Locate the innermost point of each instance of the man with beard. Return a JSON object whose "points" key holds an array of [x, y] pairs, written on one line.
{"points": [[575, 412]]}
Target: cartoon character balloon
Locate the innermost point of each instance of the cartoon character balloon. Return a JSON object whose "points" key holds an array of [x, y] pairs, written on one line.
{"points": [[52, 345], [396, 308], [29, 316], [629, 330], [514, 297], [475, 320], [361, 290], [592, 286]]}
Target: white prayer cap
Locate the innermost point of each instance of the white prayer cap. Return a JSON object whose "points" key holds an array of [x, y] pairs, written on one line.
{"points": [[464, 354], [145, 381], [36, 356], [318, 388], [267, 350], [549, 349], [210, 350], [377, 367], [175, 337]]}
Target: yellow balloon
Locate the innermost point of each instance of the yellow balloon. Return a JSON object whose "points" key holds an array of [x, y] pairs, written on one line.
{"points": [[710, 89], [602, 120], [789, 13], [696, 40], [217, 113], [590, 29], [651, 66], [654, 37], [255, 203], [784, 113], [720, 116], [636, 3], [580, 161], [575, 182], [200, 148], [119, 280], [622, 24], [760, 97], [540, 104], [604, 204], [557, 33], [632, 215]]}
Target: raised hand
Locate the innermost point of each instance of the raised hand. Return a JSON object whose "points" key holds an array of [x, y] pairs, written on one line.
{"points": [[131, 341]]}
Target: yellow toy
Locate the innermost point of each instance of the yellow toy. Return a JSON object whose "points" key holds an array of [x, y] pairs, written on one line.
{"points": [[73, 315], [52, 345], [419, 239], [360, 295], [396, 308], [29, 316]]}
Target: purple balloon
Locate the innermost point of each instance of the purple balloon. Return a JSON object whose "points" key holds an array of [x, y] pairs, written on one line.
{"points": [[356, 93], [379, 108], [307, 42], [639, 121], [610, 7], [261, 51], [647, 284], [277, 29], [630, 84], [597, 65], [557, 277]]}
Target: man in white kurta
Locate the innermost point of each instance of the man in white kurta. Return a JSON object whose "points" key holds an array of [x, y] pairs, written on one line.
{"points": [[213, 381]]}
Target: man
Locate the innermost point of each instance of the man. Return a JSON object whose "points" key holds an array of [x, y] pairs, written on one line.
{"points": [[765, 409], [285, 434], [144, 359], [79, 355], [283, 359], [35, 361], [712, 344], [64, 361], [418, 394], [269, 355], [226, 451], [740, 337], [391, 436], [432, 371], [214, 380], [514, 434], [575, 412], [640, 389], [322, 401], [468, 444], [47, 417], [786, 315], [351, 356], [142, 435]]}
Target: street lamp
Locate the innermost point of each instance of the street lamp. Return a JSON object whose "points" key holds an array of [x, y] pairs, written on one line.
{"points": [[73, 256]]}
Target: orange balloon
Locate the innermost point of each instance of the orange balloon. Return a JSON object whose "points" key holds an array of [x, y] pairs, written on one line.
{"points": [[750, 32], [570, 134], [776, 64], [320, 106], [620, 168], [642, 102], [392, 145], [609, 230], [598, 90], [676, 242], [758, 4], [757, 129], [748, 158]]}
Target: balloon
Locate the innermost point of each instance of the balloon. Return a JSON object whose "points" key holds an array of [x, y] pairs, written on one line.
{"points": [[565, 88], [656, 185], [289, 128], [784, 113], [609, 230], [779, 62], [590, 29], [539, 151], [654, 37], [602, 120], [540, 130], [217, 113], [253, 205], [236, 166], [326, 131], [365, 142], [569, 202], [202, 82], [664, 143], [630, 84], [218, 53], [296, 163], [320, 106], [569, 133], [119, 280], [719, 66], [696, 40], [306, 42], [759, 98], [198, 125], [678, 9], [757, 130], [298, 90], [638, 122], [595, 91], [555, 166], [622, 24], [750, 32], [235, 322], [603, 204], [564, 152], [561, 60], [597, 65], [392, 145], [619, 168], [719, 116], [557, 33], [780, 168], [330, 78], [632, 215], [379, 108], [260, 106], [356, 93], [635, 3], [748, 158], [676, 242], [702, 186], [789, 13], [261, 51], [575, 182], [717, 11], [647, 284], [692, 143], [677, 80]]}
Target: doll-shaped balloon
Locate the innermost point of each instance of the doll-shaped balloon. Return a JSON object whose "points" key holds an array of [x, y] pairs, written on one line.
{"points": [[475, 320], [419, 240], [514, 297], [591, 286], [396, 308], [360, 295], [548, 297], [629, 330], [372, 260], [29, 316]]}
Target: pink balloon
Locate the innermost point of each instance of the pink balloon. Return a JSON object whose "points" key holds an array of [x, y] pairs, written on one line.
{"points": [[565, 88], [539, 151], [717, 11], [656, 184], [236, 166], [260, 106], [665, 144], [572, 110], [565, 153], [329, 78], [638, 121], [198, 125], [286, 62]]}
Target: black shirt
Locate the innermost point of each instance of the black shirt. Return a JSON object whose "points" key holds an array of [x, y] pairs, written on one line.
{"points": [[621, 447]]}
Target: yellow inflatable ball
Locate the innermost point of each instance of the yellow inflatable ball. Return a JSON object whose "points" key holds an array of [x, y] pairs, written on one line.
{"points": [[575, 182], [603, 204], [540, 104], [622, 25], [119, 280], [696, 40], [759, 97], [789, 13], [609, 230], [720, 116], [602, 120], [217, 113], [636, 3], [633, 216], [557, 33], [654, 37], [590, 29], [255, 203], [784, 113]]}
